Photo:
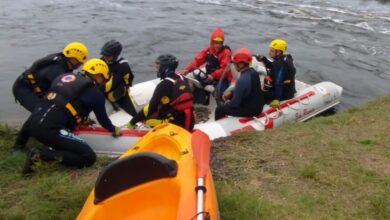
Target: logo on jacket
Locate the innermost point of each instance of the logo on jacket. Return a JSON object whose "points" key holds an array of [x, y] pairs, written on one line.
{"points": [[68, 78]]}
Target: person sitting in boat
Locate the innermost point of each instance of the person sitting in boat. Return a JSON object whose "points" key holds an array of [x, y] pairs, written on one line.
{"points": [[117, 88], [247, 99], [216, 57], [172, 99], [33, 83], [70, 99], [279, 84]]}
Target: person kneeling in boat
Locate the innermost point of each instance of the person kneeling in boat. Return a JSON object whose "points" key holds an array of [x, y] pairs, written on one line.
{"points": [[116, 89], [217, 59], [70, 99], [172, 99], [247, 99], [279, 83]]}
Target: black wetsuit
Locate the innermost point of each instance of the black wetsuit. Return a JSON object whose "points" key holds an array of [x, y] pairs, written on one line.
{"points": [[117, 90], [247, 99], [282, 74], [52, 124], [160, 104], [44, 71]]}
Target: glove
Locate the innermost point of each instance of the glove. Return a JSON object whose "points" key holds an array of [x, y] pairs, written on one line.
{"points": [[130, 126], [275, 103], [259, 57], [117, 132]]}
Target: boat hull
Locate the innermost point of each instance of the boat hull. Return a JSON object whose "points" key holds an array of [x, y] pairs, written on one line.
{"points": [[166, 197]]}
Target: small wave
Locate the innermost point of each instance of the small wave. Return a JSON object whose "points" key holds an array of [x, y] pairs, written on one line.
{"points": [[215, 2], [364, 25]]}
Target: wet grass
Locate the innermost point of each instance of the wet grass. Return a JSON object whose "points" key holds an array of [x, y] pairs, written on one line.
{"points": [[334, 167]]}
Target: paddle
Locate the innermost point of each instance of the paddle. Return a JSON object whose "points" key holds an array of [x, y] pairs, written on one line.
{"points": [[201, 148]]}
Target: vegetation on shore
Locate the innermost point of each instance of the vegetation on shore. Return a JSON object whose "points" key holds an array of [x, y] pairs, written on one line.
{"points": [[335, 167]]}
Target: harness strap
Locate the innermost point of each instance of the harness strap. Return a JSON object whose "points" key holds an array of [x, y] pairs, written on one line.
{"points": [[73, 112]]}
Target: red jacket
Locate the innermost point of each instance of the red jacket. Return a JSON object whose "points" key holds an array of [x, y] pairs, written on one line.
{"points": [[224, 57]]}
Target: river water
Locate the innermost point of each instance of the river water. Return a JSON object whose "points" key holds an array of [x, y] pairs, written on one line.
{"points": [[343, 41]]}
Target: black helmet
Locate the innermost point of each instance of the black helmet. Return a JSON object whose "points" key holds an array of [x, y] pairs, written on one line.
{"points": [[111, 48], [168, 64]]}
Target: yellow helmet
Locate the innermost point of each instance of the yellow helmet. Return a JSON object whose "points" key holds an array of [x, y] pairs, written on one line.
{"points": [[76, 50], [278, 44], [96, 66]]}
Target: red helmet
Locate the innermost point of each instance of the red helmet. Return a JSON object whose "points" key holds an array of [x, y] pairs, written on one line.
{"points": [[242, 55]]}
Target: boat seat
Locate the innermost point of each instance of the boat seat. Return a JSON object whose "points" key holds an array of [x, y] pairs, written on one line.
{"points": [[131, 171]]}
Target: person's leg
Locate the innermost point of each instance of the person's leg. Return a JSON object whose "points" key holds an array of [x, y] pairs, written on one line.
{"points": [[222, 86], [22, 138], [268, 97], [127, 105], [25, 96], [140, 116], [222, 111], [67, 148]]}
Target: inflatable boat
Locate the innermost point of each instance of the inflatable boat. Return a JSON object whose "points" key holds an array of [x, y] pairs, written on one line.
{"points": [[165, 175], [309, 101]]}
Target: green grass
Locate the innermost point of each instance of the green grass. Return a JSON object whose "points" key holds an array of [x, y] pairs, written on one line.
{"points": [[335, 167], [53, 192]]}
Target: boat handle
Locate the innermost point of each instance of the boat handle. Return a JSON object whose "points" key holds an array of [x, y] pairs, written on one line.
{"points": [[279, 114], [308, 100], [295, 109], [261, 121]]}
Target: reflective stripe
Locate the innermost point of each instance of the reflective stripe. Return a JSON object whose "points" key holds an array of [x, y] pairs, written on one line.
{"points": [[123, 61], [31, 79], [30, 76], [287, 81], [73, 112], [37, 89]]}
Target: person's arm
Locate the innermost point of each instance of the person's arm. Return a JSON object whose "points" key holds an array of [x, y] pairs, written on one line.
{"points": [[224, 61], [126, 72], [267, 62], [199, 59], [243, 86], [95, 99]]}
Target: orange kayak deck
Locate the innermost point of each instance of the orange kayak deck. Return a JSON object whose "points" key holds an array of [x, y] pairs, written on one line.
{"points": [[155, 179]]}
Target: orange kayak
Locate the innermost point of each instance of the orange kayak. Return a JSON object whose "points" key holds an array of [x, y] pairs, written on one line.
{"points": [[157, 178]]}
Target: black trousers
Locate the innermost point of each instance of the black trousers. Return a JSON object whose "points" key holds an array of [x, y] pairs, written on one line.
{"points": [[224, 110], [126, 104], [48, 125]]}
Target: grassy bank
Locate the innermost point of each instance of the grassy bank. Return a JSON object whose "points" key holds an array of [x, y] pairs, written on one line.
{"points": [[334, 167], [329, 168]]}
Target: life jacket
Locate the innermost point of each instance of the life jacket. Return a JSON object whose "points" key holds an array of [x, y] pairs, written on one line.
{"points": [[182, 99], [116, 87], [64, 92], [31, 73], [212, 62], [289, 79]]}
